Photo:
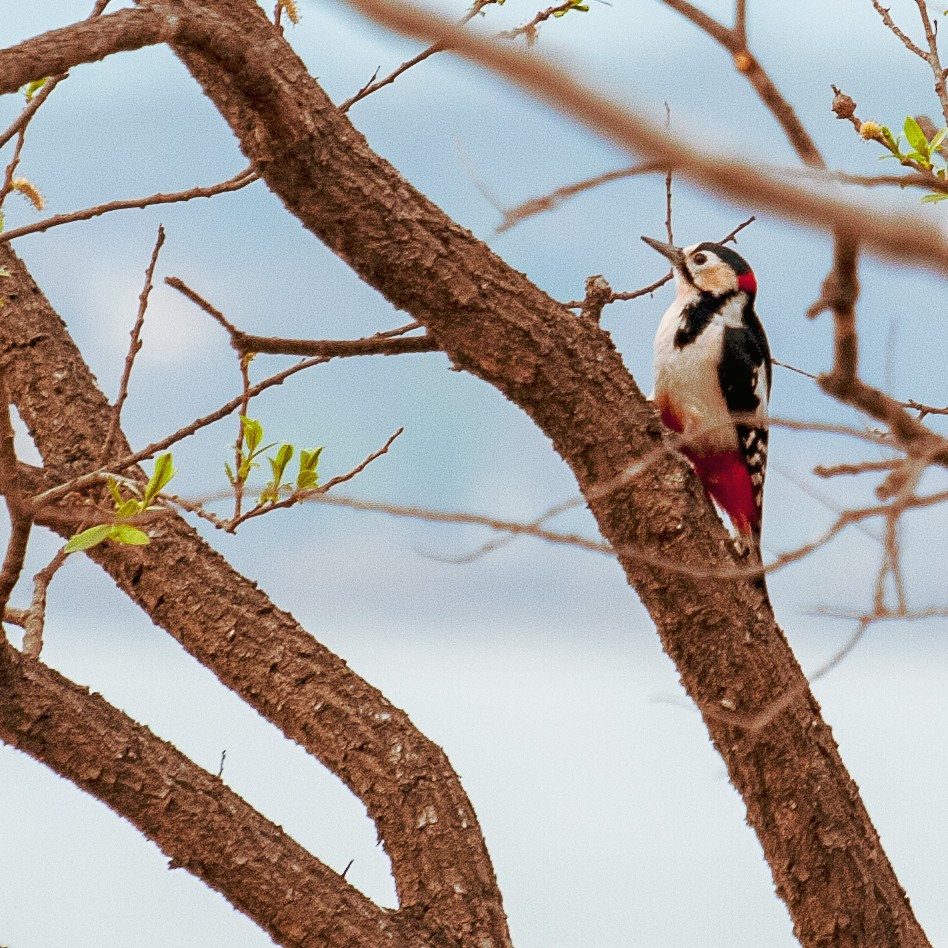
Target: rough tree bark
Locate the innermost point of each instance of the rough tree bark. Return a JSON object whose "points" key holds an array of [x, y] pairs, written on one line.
{"points": [[564, 372]]}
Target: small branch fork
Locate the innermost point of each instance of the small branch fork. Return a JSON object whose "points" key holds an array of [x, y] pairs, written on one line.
{"points": [[599, 294], [931, 56], [383, 343], [528, 30]]}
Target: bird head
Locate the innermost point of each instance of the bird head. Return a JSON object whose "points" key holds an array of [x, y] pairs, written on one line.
{"points": [[708, 268]]}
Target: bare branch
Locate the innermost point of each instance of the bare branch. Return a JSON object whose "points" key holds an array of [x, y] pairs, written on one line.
{"points": [[32, 107], [839, 293], [36, 615], [934, 59], [373, 85], [443, 516], [838, 470], [194, 818], [240, 180], [740, 21], [735, 42], [890, 233], [547, 202], [382, 343], [891, 24], [88, 41], [135, 345]]}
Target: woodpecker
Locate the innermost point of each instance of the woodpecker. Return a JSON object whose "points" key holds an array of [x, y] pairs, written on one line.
{"points": [[712, 378]]}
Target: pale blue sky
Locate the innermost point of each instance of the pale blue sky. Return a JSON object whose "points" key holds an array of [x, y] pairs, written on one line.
{"points": [[607, 812]]}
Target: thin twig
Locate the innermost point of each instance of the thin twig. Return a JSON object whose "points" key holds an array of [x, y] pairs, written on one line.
{"points": [[32, 107], [373, 85], [298, 496], [934, 59], [121, 464], [842, 470], [891, 24], [36, 617], [548, 202], [388, 342], [529, 30], [734, 40], [247, 176], [135, 345], [732, 236], [740, 21]]}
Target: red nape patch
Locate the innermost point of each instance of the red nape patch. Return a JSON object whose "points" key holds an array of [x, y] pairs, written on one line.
{"points": [[727, 482], [670, 420], [747, 282]]}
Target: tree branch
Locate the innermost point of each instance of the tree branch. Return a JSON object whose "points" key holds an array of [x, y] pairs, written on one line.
{"points": [[825, 855], [240, 180], [198, 822], [442, 866]]}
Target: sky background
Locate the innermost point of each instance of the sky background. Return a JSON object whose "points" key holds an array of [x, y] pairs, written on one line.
{"points": [[607, 812]]}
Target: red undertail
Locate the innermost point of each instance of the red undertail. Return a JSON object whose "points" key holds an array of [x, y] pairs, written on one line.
{"points": [[726, 480]]}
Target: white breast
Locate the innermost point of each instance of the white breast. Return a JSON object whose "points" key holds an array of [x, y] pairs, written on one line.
{"points": [[686, 379]]}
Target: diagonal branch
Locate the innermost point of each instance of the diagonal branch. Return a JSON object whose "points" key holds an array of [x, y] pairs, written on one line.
{"points": [[192, 816], [825, 855], [88, 41], [893, 234], [256, 649]]}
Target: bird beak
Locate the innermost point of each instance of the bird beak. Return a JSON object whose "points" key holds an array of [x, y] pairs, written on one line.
{"points": [[674, 254]]}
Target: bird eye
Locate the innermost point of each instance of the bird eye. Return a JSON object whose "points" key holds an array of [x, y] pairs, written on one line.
{"points": [[700, 258]]}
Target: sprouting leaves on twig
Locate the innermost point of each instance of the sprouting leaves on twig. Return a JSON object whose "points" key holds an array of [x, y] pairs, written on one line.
{"points": [[307, 477], [121, 530], [922, 153], [577, 5]]}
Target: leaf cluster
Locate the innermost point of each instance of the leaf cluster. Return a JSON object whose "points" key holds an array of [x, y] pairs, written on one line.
{"points": [[126, 509], [921, 153], [307, 476]]}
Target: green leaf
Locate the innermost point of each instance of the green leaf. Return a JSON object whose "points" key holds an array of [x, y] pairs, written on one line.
{"points": [[919, 158], [35, 87], [128, 509], [278, 464], [115, 492], [163, 472], [308, 477], [230, 474], [243, 472], [253, 433], [934, 198], [123, 533], [915, 136], [89, 538], [938, 139]]}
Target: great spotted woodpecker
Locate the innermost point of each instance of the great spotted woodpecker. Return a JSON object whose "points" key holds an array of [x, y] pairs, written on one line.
{"points": [[712, 377]]}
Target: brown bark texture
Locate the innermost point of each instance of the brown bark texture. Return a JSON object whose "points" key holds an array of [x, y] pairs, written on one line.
{"points": [[196, 820], [440, 863], [564, 372]]}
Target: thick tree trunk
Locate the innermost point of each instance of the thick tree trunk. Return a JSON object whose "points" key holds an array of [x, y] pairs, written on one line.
{"points": [[825, 855]]}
